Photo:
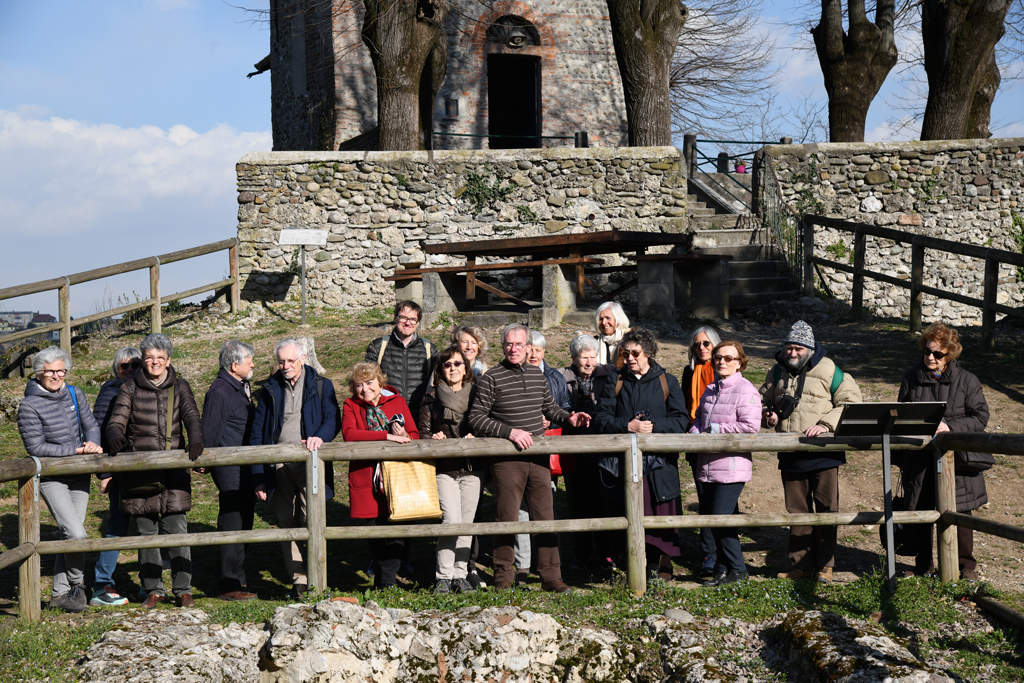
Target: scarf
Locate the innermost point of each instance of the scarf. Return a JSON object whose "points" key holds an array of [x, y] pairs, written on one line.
{"points": [[608, 346], [703, 375], [455, 403], [376, 420], [584, 391]]}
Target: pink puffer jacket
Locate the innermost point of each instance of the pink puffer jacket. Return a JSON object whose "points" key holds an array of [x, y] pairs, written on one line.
{"points": [[728, 406]]}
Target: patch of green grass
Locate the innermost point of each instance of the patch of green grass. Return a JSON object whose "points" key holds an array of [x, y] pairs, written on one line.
{"points": [[373, 316], [47, 650]]}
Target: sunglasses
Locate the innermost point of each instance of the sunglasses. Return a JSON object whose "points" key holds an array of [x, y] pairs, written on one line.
{"points": [[706, 344], [727, 359], [937, 355], [132, 364], [451, 364], [635, 353]]}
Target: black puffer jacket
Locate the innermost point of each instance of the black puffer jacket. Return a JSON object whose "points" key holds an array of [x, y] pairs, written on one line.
{"points": [[408, 368], [140, 415], [966, 411]]}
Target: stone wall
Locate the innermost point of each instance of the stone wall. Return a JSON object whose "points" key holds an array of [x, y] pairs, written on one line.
{"points": [[382, 207], [966, 191]]}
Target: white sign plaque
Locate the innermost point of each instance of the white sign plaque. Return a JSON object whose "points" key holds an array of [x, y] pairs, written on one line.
{"points": [[313, 238]]}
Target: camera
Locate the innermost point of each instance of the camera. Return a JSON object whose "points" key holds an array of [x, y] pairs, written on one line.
{"points": [[643, 416], [785, 407], [396, 419]]}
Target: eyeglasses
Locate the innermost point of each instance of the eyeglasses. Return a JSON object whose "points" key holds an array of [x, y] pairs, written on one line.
{"points": [[632, 352], [515, 345], [287, 361], [706, 344], [728, 359], [154, 359], [451, 364], [408, 321], [132, 364], [55, 373], [937, 355]]}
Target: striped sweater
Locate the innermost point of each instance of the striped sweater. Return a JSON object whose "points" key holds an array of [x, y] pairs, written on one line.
{"points": [[513, 397]]}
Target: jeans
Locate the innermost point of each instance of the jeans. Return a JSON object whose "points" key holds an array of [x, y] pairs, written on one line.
{"points": [[117, 526], [68, 500], [458, 493], [721, 500], [151, 566]]}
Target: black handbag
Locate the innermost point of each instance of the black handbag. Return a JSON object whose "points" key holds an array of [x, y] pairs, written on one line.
{"points": [[972, 463], [662, 478]]}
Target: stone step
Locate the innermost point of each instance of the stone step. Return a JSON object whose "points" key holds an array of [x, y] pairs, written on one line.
{"points": [[746, 252], [716, 222], [700, 212], [739, 301], [730, 237], [755, 285], [749, 269]]}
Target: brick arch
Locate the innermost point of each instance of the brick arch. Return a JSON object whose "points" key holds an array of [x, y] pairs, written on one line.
{"points": [[478, 37]]}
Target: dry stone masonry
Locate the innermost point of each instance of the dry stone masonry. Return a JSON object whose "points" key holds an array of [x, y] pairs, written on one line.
{"points": [[967, 191], [382, 207]]}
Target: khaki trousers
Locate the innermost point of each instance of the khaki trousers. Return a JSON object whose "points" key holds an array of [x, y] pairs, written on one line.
{"points": [[812, 547], [290, 505]]}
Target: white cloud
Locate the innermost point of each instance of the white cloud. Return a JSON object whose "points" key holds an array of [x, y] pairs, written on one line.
{"points": [[85, 187], [905, 128]]}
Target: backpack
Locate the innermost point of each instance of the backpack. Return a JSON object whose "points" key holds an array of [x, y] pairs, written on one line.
{"points": [[664, 386], [837, 379], [384, 345]]}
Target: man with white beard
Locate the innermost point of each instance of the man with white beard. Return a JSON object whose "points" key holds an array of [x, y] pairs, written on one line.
{"points": [[227, 418], [805, 393]]}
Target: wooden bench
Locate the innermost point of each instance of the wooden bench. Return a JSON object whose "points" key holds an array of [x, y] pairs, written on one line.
{"points": [[698, 283]]}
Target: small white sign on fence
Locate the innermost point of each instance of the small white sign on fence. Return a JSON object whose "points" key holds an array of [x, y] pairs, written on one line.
{"points": [[306, 238], [303, 238]]}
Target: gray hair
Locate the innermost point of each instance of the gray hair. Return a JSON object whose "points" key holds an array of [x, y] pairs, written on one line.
{"points": [[581, 343], [234, 351], [290, 341], [621, 321], [50, 354], [713, 337], [125, 354], [474, 332], [157, 342], [515, 327], [537, 340]]}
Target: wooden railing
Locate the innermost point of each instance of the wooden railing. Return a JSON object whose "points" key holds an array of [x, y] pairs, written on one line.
{"points": [[63, 286], [918, 243], [632, 447]]}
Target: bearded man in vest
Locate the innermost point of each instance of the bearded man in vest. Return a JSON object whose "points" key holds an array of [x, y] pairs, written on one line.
{"points": [[805, 393]]}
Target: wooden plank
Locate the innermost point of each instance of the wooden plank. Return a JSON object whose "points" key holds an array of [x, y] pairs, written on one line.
{"points": [[1005, 444], [636, 548], [30, 288], [581, 283], [198, 251], [107, 271], [196, 290], [32, 332], [916, 283], [470, 281], [622, 288], [607, 241], [681, 257], [627, 268], [206, 538], [235, 296], [155, 312], [594, 287], [776, 520], [945, 501], [1010, 616], [807, 232], [17, 554], [435, 530], [497, 292], [316, 520], [112, 312], [64, 316], [28, 532], [860, 250], [985, 526], [509, 265]]}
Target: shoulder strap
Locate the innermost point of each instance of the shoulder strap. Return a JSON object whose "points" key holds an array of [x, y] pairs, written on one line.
{"points": [[664, 385], [618, 386], [837, 379], [78, 413], [383, 345], [777, 374], [427, 345], [320, 387], [170, 416]]}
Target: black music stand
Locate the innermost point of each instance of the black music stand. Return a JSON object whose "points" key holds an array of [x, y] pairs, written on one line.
{"points": [[886, 420]]}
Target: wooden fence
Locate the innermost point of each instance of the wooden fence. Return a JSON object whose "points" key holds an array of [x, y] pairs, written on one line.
{"points": [[63, 286], [632, 447], [918, 243]]}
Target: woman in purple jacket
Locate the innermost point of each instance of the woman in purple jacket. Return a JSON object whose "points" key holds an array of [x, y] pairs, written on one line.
{"points": [[730, 405]]}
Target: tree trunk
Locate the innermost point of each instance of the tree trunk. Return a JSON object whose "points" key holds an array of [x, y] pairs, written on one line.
{"points": [[645, 34], [409, 51], [959, 43], [981, 106], [854, 64]]}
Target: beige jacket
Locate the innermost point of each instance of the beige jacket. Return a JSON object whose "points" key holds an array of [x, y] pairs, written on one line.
{"points": [[817, 405]]}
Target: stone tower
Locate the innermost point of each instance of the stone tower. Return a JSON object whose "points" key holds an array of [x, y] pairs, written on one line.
{"points": [[516, 70]]}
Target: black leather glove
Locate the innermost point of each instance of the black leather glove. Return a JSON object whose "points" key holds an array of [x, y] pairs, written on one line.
{"points": [[118, 444], [194, 451]]}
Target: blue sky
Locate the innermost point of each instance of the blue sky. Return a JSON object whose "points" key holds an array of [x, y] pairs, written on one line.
{"points": [[120, 123]]}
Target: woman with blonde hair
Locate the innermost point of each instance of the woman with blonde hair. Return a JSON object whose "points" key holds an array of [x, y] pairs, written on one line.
{"points": [[375, 413], [611, 323], [472, 344]]}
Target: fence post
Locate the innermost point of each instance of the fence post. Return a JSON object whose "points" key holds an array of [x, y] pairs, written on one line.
{"points": [[860, 248], [235, 289], [990, 296], [316, 522], [690, 154], [945, 499], [154, 294], [636, 550], [916, 280], [808, 230], [64, 313], [28, 532]]}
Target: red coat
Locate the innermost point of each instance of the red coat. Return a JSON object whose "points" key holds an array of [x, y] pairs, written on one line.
{"points": [[364, 501]]}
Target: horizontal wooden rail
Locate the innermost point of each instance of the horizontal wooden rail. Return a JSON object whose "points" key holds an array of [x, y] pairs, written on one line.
{"points": [[197, 290], [102, 315], [17, 554], [31, 332], [1007, 614], [88, 545], [116, 269], [31, 288], [447, 448], [211, 248], [431, 530], [988, 526], [781, 519], [1004, 444]]}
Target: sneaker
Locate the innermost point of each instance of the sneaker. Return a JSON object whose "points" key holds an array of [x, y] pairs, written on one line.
{"points": [[707, 569], [108, 597], [442, 587], [70, 601], [475, 580], [461, 586]]}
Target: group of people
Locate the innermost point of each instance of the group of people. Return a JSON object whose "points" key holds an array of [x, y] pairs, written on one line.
{"points": [[407, 389]]}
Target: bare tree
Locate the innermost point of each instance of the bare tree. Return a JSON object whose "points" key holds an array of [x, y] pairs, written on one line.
{"points": [[645, 34], [722, 76], [959, 39], [854, 63]]}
